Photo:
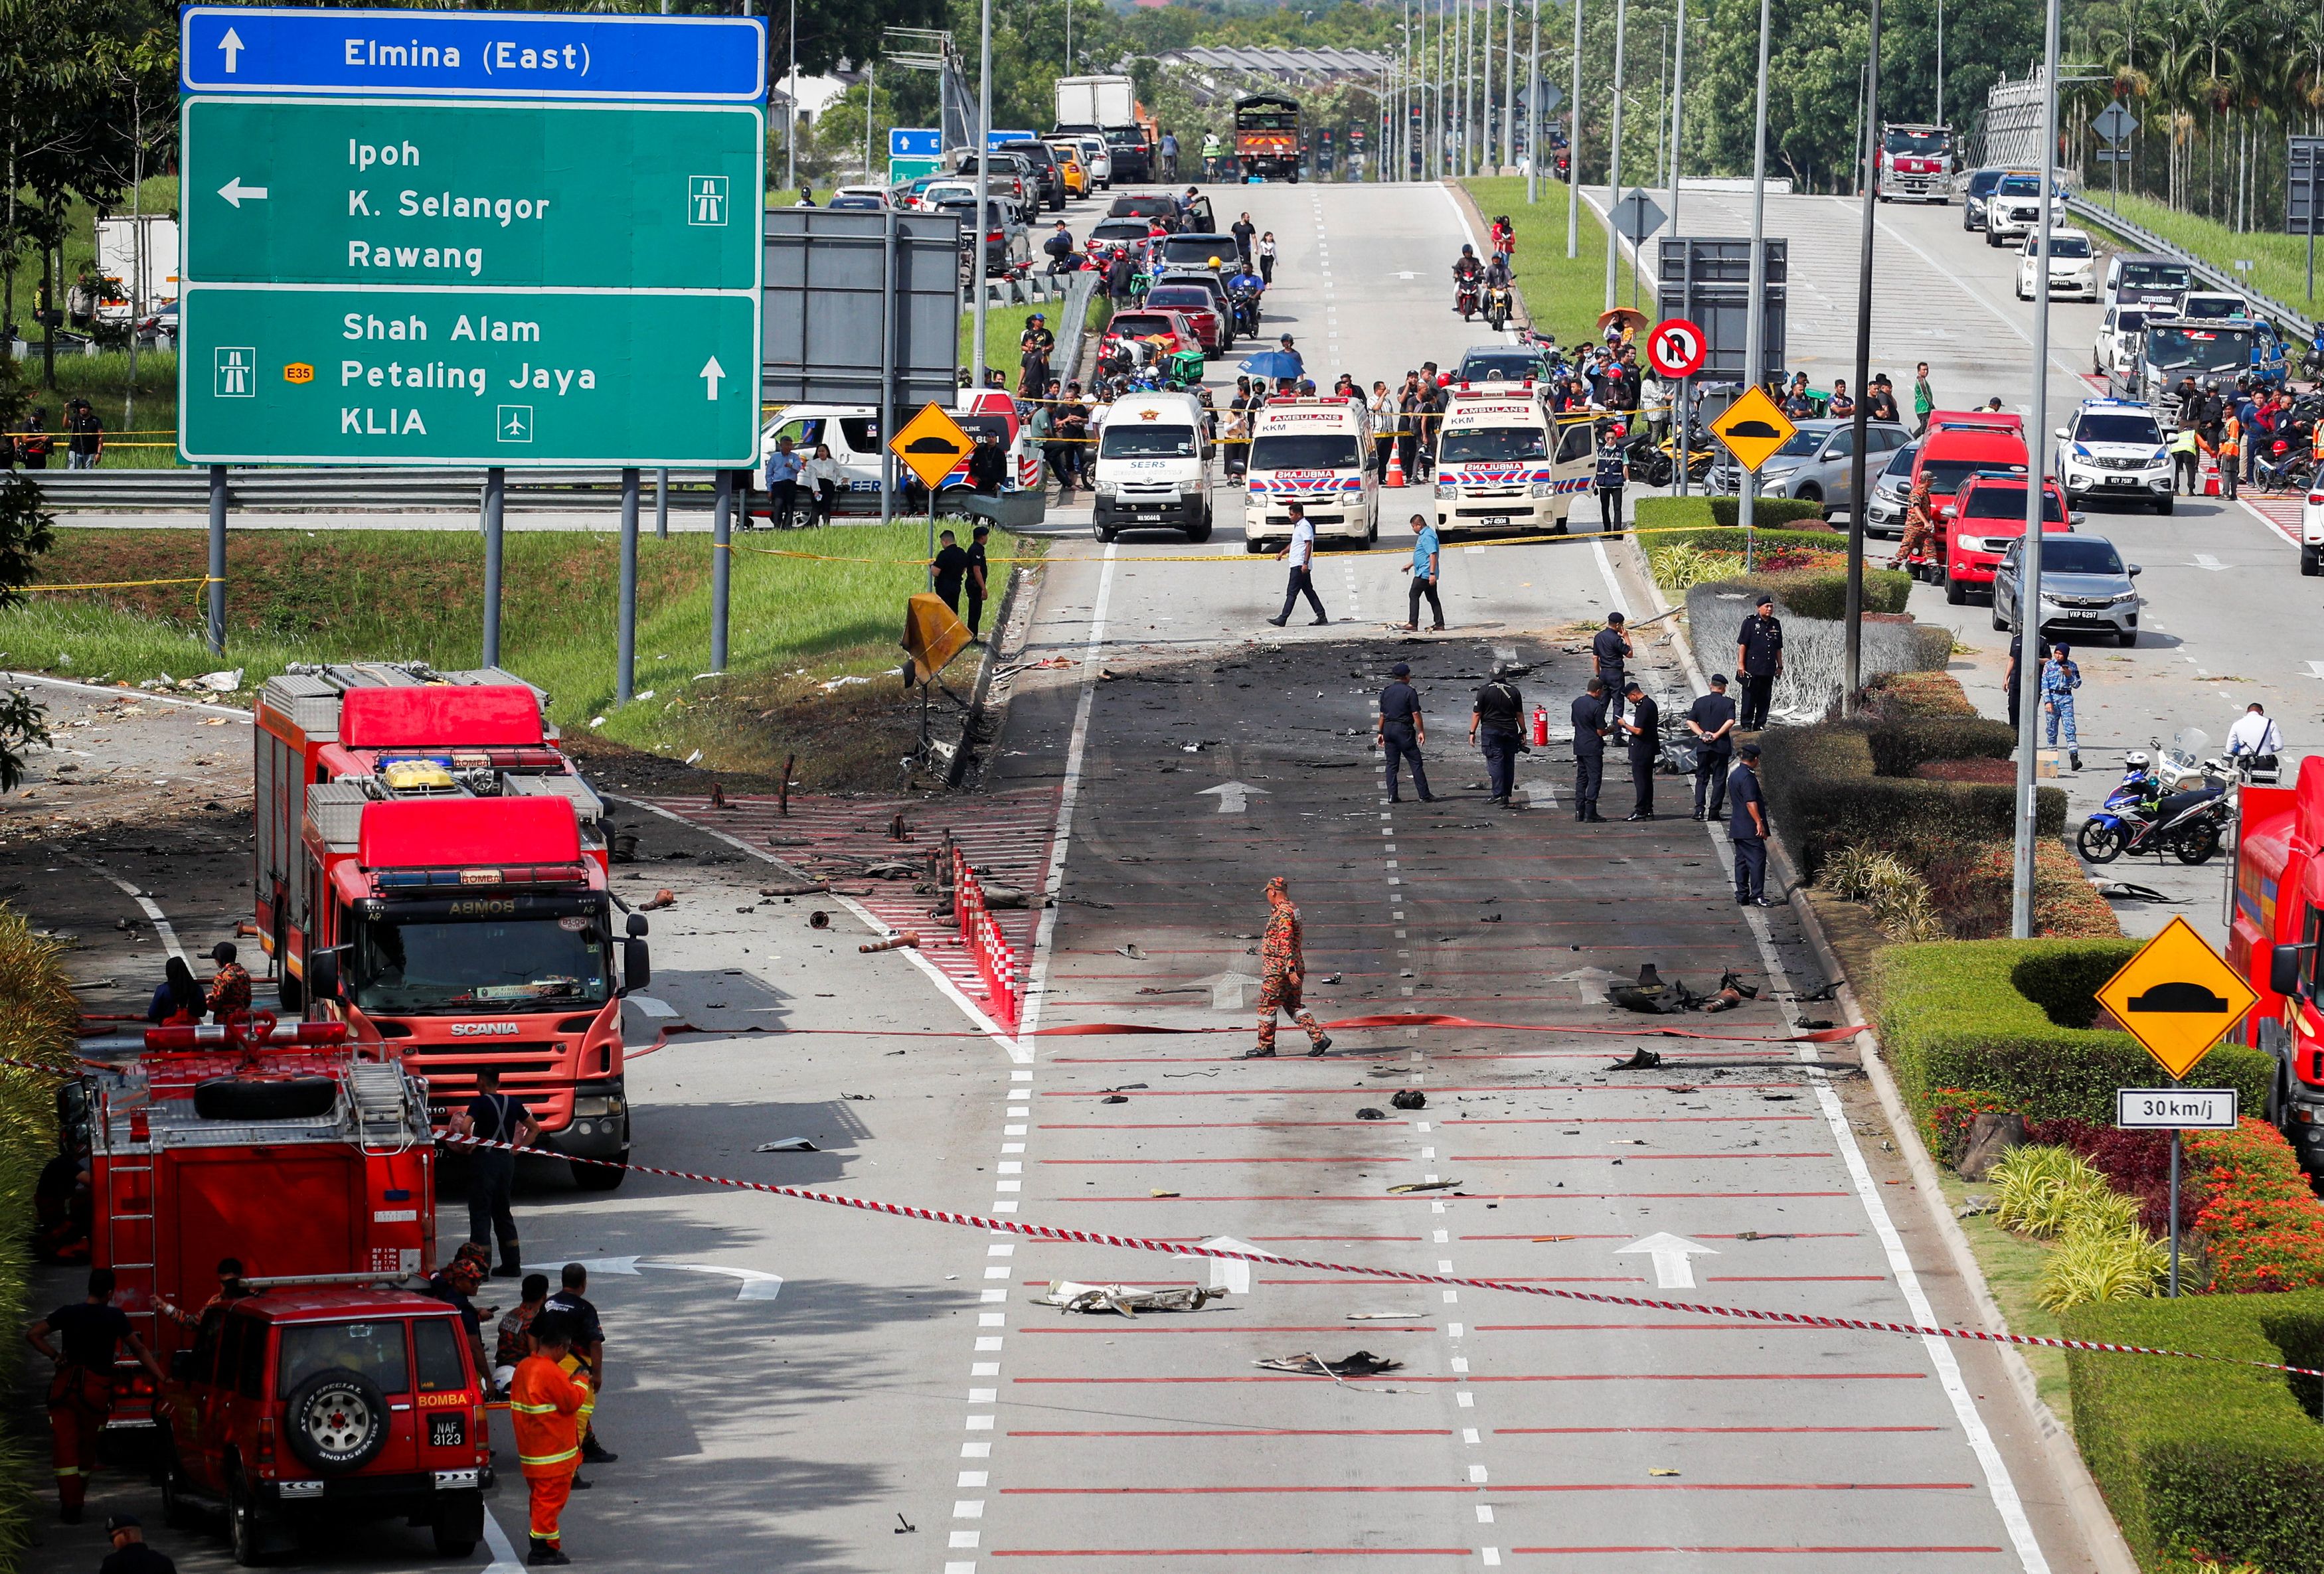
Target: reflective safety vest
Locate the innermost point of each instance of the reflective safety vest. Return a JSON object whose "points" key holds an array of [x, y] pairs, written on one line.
{"points": [[544, 1405]]}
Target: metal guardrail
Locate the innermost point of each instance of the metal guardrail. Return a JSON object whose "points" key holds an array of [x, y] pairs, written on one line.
{"points": [[358, 490], [2107, 218]]}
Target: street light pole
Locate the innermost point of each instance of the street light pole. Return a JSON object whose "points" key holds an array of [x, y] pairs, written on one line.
{"points": [[1510, 90], [1533, 112], [1852, 665], [1574, 142], [983, 182], [790, 109], [1678, 100], [2037, 429], [1614, 154], [1756, 311]]}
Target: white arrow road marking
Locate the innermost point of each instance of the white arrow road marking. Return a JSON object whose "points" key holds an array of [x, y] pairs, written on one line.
{"points": [[1234, 796], [2316, 669], [2204, 560], [1592, 981], [1230, 1276], [1672, 1271], [1228, 989], [711, 374], [756, 1285], [234, 191], [1541, 794], [653, 1007], [232, 44]]}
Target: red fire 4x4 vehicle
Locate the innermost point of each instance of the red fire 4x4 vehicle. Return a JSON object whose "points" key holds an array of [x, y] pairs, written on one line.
{"points": [[1981, 521], [314, 1405]]}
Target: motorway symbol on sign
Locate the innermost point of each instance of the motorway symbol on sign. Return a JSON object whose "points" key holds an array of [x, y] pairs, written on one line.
{"points": [[932, 444], [2177, 998], [476, 54], [2115, 122], [1637, 217], [1676, 347], [2175, 1108], [1753, 427]]}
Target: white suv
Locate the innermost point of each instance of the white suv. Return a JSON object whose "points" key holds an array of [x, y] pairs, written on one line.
{"points": [[2113, 449], [2114, 352]]}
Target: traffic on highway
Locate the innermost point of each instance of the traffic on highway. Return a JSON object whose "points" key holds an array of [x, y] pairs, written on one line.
{"points": [[453, 1137]]}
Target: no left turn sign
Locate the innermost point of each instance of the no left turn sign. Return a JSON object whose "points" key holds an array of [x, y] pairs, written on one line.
{"points": [[1676, 347]]}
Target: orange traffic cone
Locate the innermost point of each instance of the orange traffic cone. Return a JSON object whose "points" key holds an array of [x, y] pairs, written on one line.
{"points": [[1395, 464], [2211, 477]]}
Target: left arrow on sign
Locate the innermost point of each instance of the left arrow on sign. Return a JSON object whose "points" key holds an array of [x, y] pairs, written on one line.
{"points": [[235, 191], [233, 46], [711, 374]]}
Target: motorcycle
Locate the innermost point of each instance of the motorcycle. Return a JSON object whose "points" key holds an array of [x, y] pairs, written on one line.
{"points": [[1498, 306], [1246, 309], [1464, 298], [2281, 467], [2181, 807]]}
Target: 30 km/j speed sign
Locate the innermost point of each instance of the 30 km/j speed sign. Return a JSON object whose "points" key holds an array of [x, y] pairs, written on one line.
{"points": [[1676, 347]]}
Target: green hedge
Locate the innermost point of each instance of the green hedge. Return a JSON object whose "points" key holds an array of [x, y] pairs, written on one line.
{"points": [[39, 1022], [1826, 790], [2011, 1017], [1816, 592], [2202, 1456], [1717, 516], [1900, 748]]}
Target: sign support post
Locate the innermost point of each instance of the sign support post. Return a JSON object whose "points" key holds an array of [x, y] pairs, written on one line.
{"points": [[216, 589], [625, 667], [722, 565], [495, 495], [2174, 1208]]}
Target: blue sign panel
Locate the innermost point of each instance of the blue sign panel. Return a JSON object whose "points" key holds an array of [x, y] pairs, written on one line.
{"points": [[473, 54], [997, 138], [915, 142]]}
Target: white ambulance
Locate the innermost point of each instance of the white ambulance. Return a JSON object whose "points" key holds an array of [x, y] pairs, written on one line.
{"points": [[1505, 465], [1318, 452]]}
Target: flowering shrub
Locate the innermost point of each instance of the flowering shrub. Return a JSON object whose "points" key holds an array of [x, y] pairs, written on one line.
{"points": [[1951, 1114], [2259, 1217]]}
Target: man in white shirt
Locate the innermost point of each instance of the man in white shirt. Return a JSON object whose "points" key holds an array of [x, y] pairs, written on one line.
{"points": [[1300, 550], [2254, 734]]}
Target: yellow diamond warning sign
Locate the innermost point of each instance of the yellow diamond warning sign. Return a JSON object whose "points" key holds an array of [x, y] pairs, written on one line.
{"points": [[931, 444], [2177, 998], [1753, 427]]}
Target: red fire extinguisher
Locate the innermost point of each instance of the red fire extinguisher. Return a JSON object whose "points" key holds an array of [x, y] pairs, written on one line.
{"points": [[1540, 725]]}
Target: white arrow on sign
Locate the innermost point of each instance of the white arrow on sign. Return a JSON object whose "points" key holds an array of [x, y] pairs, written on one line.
{"points": [[1234, 796], [756, 1285], [234, 191], [232, 44], [1670, 1252], [711, 374]]}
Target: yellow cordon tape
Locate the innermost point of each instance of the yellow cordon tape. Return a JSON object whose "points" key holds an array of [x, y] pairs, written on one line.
{"points": [[1565, 540], [122, 584]]}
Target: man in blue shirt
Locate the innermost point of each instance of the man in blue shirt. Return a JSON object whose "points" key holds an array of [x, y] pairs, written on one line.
{"points": [[783, 468], [1747, 828], [1426, 557]]}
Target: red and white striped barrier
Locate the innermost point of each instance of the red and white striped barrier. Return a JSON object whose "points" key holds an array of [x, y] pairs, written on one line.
{"points": [[980, 935]]}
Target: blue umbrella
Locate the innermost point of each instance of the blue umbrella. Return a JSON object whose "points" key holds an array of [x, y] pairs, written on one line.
{"points": [[1273, 365]]}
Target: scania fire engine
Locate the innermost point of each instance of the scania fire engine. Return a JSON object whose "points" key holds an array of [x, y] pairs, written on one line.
{"points": [[433, 871]]}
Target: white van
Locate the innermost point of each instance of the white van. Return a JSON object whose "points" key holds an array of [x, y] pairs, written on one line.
{"points": [[852, 430], [1318, 452], [1504, 464], [1154, 460]]}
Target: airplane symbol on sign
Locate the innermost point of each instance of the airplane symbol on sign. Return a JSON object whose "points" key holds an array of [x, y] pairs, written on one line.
{"points": [[515, 423]]}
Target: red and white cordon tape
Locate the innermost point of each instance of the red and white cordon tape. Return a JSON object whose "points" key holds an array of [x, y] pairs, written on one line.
{"points": [[980, 934], [1598, 1298]]}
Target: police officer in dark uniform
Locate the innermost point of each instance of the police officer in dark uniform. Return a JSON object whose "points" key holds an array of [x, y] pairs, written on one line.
{"points": [[1610, 481], [1588, 751], [1610, 649], [1712, 720], [1643, 727], [1497, 726], [1401, 731], [1759, 658]]}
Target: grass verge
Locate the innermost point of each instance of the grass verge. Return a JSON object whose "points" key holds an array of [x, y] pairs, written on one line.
{"points": [[796, 625], [1564, 295], [2278, 262], [38, 1016], [2011, 1263]]}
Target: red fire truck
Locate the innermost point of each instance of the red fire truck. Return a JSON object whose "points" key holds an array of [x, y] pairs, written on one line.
{"points": [[433, 871], [1916, 162], [2273, 941], [288, 1146]]}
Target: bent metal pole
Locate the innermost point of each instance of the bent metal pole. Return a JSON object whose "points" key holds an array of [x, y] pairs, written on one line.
{"points": [[1852, 677], [2038, 448], [1754, 314]]}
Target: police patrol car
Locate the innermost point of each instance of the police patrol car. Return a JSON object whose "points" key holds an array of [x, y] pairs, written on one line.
{"points": [[2112, 448]]}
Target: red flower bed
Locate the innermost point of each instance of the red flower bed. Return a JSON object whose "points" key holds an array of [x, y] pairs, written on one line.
{"points": [[2258, 1213]]}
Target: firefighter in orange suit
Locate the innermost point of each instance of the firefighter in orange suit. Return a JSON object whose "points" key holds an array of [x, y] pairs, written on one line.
{"points": [[80, 1397], [546, 1406]]}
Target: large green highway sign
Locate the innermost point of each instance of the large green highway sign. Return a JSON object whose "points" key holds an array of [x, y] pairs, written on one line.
{"points": [[491, 269]]}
